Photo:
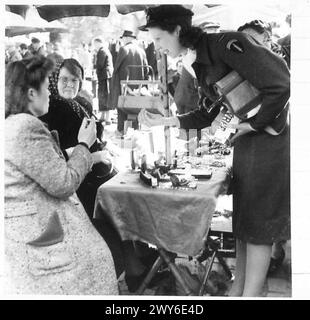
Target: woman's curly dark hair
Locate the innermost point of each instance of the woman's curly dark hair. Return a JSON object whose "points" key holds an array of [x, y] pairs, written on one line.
{"points": [[190, 37], [19, 77]]}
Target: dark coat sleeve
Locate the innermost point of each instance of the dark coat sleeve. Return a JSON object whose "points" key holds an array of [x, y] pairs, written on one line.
{"points": [[263, 69], [109, 64], [85, 103], [62, 118], [116, 87], [198, 119], [120, 58]]}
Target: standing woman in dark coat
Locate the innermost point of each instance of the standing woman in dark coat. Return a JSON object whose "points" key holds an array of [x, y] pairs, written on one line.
{"points": [[261, 185], [65, 114], [104, 70]]}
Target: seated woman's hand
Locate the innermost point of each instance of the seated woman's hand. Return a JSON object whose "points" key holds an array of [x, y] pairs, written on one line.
{"points": [[150, 119], [88, 133], [102, 156]]}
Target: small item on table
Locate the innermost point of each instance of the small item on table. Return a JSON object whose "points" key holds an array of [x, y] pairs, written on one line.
{"points": [[197, 173], [218, 164], [175, 160], [183, 181], [132, 159], [148, 179], [143, 164]]}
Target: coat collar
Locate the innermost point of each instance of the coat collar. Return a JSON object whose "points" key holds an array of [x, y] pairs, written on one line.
{"points": [[202, 51]]}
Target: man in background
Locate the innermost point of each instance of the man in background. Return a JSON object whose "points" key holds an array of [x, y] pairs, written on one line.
{"points": [[52, 50], [23, 49], [36, 48], [12, 54], [129, 54]]}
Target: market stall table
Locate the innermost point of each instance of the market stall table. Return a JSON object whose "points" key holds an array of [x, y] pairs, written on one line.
{"points": [[174, 220]]}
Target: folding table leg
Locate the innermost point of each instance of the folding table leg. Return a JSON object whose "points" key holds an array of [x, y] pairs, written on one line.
{"points": [[224, 265], [175, 272], [150, 275], [206, 276]]}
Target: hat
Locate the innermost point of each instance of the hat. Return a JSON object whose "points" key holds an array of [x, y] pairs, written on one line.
{"points": [[128, 33], [35, 40], [23, 46], [98, 39], [167, 14]]}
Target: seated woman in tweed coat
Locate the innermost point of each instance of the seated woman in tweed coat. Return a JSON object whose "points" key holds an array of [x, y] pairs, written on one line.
{"points": [[51, 246]]}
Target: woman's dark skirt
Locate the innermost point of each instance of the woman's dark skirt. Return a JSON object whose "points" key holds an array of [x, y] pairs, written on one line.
{"points": [[261, 188]]}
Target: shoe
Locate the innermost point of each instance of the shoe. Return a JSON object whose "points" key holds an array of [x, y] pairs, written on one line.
{"points": [[275, 263], [134, 282]]}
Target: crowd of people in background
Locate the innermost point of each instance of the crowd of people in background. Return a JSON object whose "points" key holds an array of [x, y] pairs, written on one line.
{"points": [[105, 63], [102, 60]]}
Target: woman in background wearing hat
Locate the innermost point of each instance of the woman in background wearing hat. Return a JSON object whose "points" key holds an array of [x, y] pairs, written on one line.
{"points": [[261, 161]]}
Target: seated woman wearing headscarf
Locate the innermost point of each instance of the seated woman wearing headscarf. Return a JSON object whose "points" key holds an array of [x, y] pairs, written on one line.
{"points": [[50, 245], [65, 114]]}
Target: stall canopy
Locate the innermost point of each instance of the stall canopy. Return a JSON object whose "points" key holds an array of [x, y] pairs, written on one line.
{"points": [[18, 9], [33, 17], [53, 12], [229, 16], [16, 25], [28, 21]]}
